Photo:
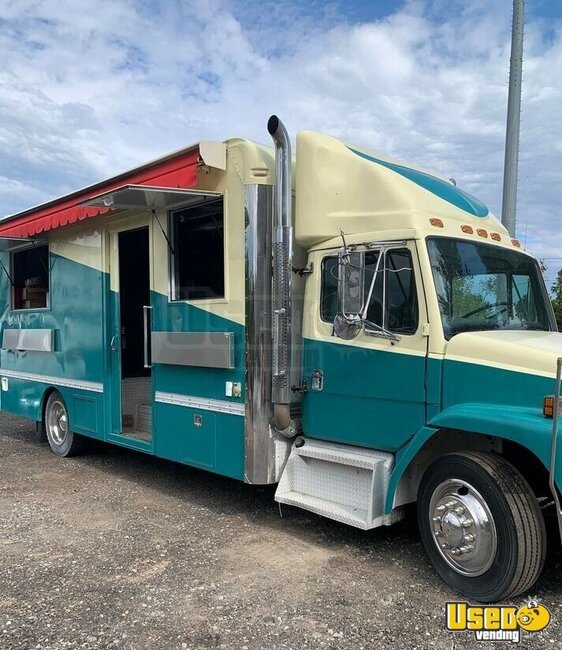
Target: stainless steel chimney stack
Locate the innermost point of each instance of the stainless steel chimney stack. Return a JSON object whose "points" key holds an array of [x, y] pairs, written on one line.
{"points": [[281, 298]]}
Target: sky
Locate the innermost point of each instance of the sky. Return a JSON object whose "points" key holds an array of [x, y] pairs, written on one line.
{"points": [[90, 89]]}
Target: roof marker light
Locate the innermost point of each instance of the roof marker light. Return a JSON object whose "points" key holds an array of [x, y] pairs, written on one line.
{"points": [[436, 222], [469, 230], [495, 236], [482, 233], [516, 243]]}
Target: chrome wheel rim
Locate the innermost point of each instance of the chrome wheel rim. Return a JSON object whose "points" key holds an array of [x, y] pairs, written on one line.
{"points": [[57, 422], [463, 528]]}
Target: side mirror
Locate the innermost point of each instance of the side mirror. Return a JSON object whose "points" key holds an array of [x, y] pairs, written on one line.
{"points": [[351, 291]]}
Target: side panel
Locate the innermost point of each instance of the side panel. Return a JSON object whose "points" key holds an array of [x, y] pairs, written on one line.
{"points": [[218, 443], [76, 364]]}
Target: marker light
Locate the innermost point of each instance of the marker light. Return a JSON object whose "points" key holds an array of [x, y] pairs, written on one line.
{"points": [[436, 222], [495, 236], [469, 230], [548, 406], [482, 233], [516, 243]]}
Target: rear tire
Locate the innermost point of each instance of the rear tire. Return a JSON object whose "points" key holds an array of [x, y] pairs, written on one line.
{"points": [[61, 439], [481, 526]]}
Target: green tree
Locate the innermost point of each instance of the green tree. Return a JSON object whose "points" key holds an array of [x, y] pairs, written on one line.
{"points": [[557, 299]]}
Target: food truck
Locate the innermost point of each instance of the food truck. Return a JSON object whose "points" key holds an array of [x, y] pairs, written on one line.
{"points": [[356, 329]]}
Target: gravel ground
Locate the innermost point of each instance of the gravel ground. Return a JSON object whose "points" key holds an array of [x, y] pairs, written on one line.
{"points": [[120, 550]]}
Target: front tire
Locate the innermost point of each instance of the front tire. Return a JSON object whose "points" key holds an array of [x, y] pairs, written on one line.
{"points": [[61, 439], [481, 526]]}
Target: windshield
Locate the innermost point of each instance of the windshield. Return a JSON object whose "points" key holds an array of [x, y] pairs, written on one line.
{"points": [[484, 287]]}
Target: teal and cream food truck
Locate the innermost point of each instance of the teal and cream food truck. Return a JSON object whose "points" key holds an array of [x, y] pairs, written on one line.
{"points": [[359, 331]]}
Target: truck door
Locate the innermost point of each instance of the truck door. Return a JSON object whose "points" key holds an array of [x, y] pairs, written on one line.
{"points": [[368, 390]]}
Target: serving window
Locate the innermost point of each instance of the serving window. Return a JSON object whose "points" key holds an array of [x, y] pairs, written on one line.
{"points": [[30, 278], [197, 252]]}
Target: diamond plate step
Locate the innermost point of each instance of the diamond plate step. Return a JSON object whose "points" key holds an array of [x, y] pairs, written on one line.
{"points": [[338, 481]]}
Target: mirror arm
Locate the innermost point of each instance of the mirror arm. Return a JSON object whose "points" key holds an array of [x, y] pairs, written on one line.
{"points": [[380, 331]]}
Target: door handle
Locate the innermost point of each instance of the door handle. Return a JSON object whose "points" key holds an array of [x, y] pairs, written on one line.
{"points": [[147, 329], [113, 343]]}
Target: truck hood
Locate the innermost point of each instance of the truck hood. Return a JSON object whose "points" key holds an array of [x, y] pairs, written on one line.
{"points": [[522, 351]]}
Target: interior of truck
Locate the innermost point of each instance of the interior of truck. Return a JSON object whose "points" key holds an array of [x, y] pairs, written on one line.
{"points": [[134, 297]]}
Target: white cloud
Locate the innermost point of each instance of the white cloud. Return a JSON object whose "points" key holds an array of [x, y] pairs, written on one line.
{"points": [[91, 89]]}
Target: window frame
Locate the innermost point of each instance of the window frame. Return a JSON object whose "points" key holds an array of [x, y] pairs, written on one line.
{"points": [[172, 287], [26, 310], [383, 251]]}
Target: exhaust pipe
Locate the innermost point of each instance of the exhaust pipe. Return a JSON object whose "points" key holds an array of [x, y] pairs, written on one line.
{"points": [[281, 300]]}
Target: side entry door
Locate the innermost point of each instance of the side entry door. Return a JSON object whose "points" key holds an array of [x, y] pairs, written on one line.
{"points": [[368, 390], [130, 394]]}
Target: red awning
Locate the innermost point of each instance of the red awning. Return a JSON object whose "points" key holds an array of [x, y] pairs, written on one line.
{"points": [[177, 171]]}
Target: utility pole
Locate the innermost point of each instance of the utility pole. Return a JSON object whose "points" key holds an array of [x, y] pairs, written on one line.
{"points": [[509, 204]]}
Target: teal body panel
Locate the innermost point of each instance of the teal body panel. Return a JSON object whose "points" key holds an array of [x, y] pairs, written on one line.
{"points": [[371, 398], [218, 444], [170, 316], [490, 401], [75, 315], [85, 408], [434, 386]]}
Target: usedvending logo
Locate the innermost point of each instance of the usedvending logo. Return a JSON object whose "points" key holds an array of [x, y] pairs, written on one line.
{"points": [[497, 623]]}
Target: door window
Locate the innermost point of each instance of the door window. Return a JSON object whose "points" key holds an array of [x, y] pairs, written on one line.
{"points": [[393, 302]]}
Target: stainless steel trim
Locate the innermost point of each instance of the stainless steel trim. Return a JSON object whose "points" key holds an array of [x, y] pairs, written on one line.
{"points": [[203, 349], [145, 311], [202, 403], [148, 197], [13, 244], [259, 463], [93, 386], [37, 340], [554, 444]]}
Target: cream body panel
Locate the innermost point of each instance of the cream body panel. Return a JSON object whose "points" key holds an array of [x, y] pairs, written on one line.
{"points": [[337, 190], [531, 352]]}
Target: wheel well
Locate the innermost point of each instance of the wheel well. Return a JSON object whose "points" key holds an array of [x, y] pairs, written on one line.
{"points": [[529, 465], [45, 399], [446, 441]]}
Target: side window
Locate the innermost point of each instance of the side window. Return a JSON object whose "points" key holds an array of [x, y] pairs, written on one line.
{"points": [[30, 276], [393, 301], [401, 297], [329, 294], [329, 297], [197, 262]]}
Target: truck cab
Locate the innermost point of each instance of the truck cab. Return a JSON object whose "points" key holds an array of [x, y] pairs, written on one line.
{"points": [[429, 346]]}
